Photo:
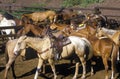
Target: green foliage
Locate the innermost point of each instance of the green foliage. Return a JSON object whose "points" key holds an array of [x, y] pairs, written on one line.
{"points": [[34, 7], [66, 3], [38, 5], [71, 3]]}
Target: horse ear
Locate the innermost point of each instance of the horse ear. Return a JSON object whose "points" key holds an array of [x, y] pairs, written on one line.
{"points": [[23, 37]]}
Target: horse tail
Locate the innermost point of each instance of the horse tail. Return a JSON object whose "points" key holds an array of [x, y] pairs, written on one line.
{"points": [[89, 49], [114, 54]]}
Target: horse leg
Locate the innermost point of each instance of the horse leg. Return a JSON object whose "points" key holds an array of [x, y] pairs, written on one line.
{"points": [[105, 62], [76, 70], [51, 62], [13, 32], [83, 62], [8, 65], [92, 70], [23, 54], [43, 68], [118, 55], [40, 63], [113, 61], [13, 71]]}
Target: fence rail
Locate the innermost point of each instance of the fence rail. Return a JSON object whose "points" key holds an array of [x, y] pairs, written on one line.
{"points": [[14, 7], [19, 8], [9, 27]]}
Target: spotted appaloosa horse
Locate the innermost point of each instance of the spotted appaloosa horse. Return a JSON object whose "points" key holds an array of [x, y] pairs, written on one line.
{"points": [[81, 47]]}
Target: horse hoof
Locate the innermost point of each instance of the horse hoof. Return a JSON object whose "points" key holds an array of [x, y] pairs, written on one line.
{"points": [[23, 58], [92, 74], [74, 77], [83, 77]]}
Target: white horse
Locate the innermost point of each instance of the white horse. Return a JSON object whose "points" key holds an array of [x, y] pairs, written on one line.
{"points": [[6, 23], [79, 46]]}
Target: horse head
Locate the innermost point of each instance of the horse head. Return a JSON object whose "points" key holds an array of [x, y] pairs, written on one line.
{"points": [[20, 45]]}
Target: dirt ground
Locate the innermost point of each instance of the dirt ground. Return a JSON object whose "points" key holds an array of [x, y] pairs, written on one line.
{"points": [[65, 70]]}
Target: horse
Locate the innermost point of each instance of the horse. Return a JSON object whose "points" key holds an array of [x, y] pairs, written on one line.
{"points": [[31, 30], [110, 33], [65, 15], [104, 47], [112, 24], [35, 29], [37, 17], [6, 23], [114, 35], [79, 46], [9, 16], [9, 55]]}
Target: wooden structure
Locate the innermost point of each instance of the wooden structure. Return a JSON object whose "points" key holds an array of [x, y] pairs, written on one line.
{"points": [[12, 8]]}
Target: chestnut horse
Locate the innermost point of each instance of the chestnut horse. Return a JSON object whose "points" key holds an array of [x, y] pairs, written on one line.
{"points": [[43, 46], [114, 35], [105, 47], [37, 17], [36, 30]]}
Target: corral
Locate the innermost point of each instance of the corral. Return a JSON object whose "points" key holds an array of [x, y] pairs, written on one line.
{"points": [[65, 70]]}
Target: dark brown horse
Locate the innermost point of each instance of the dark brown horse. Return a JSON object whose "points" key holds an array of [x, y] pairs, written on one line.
{"points": [[65, 15]]}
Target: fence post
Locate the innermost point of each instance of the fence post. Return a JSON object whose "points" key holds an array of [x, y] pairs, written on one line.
{"points": [[10, 8]]}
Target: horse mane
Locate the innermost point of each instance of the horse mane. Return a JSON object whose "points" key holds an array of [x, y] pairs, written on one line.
{"points": [[8, 16], [37, 38], [109, 31]]}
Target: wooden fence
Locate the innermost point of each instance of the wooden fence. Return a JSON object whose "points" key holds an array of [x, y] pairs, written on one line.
{"points": [[12, 7]]}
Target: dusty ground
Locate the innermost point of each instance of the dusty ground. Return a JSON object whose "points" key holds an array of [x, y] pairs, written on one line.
{"points": [[65, 70], [26, 69]]}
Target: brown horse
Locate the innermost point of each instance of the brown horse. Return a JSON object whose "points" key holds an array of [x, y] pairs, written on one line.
{"points": [[43, 46], [37, 17], [65, 15], [36, 30], [112, 34], [105, 47]]}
